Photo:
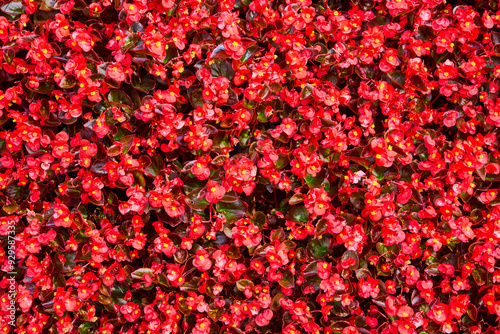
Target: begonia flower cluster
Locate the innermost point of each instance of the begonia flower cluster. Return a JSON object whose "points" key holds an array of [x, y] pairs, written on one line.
{"points": [[250, 166]]}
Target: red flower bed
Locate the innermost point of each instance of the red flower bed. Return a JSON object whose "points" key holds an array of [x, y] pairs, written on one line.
{"points": [[238, 166]]}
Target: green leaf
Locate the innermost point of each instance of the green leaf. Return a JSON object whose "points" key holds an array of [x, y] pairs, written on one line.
{"points": [[162, 279], [425, 33], [180, 256], [264, 92], [379, 20], [86, 327], [222, 68], [11, 207], [476, 215], [261, 116], [74, 193], [13, 8], [191, 285], [311, 269], [290, 244], [233, 252], [397, 77], [49, 5], [229, 197], [111, 83], [127, 142], [196, 202], [384, 173], [59, 281], [296, 199], [480, 276], [130, 42], [68, 81], [358, 200], [339, 310], [275, 87], [156, 165], [283, 160], [119, 99], [472, 311], [277, 234], [141, 272], [259, 219], [184, 308], [418, 83], [367, 4], [315, 181], [221, 140], [249, 104], [114, 150], [299, 214], [284, 138], [104, 300], [495, 202], [360, 321], [432, 269], [14, 192], [69, 263], [171, 53], [321, 228], [219, 50], [136, 27], [244, 137], [242, 283], [195, 98], [144, 86], [232, 211], [306, 91], [287, 281], [275, 303], [44, 88], [122, 132], [104, 289], [251, 51], [215, 312], [351, 255], [317, 248]]}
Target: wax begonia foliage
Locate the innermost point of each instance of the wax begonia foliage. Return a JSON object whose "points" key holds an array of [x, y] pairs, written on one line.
{"points": [[239, 166]]}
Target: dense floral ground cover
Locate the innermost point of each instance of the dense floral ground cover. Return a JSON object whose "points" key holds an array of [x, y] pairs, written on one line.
{"points": [[237, 166]]}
